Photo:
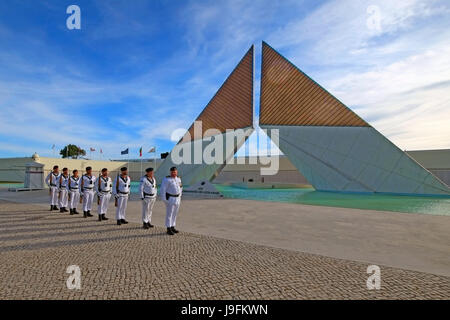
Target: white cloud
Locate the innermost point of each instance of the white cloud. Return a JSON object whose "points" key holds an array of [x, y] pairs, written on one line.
{"points": [[397, 79]]}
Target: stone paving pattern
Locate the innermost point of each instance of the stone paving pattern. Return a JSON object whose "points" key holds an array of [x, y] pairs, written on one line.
{"points": [[128, 262]]}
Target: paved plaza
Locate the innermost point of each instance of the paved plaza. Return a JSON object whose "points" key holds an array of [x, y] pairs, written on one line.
{"points": [[128, 262], [418, 242]]}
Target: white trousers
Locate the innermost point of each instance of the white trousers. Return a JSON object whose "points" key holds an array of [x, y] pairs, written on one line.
{"points": [[54, 192], [104, 202], [172, 207], [121, 209], [63, 198], [88, 198], [147, 207], [74, 199]]}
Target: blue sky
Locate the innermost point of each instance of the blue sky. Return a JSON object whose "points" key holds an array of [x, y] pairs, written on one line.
{"points": [[138, 70]]}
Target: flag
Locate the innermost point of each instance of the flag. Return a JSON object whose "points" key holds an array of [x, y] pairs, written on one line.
{"points": [[124, 151], [140, 152], [152, 149], [92, 149]]}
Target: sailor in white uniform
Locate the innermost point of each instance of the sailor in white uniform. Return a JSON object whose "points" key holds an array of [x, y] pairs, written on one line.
{"points": [[104, 190], [147, 190], [87, 191], [74, 192], [52, 182], [171, 189], [64, 190], [121, 193]]}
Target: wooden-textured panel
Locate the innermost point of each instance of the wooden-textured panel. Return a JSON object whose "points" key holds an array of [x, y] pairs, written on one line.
{"points": [[290, 97], [232, 105]]}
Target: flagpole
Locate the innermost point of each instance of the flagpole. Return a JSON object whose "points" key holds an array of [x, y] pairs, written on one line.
{"points": [[154, 159]]}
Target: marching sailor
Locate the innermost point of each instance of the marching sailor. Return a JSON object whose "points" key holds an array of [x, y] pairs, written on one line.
{"points": [[52, 181], [121, 193], [87, 191], [171, 189], [64, 190], [147, 190], [74, 192], [104, 189]]}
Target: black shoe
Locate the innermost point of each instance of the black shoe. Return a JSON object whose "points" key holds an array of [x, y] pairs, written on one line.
{"points": [[145, 225], [75, 211], [174, 230], [170, 232], [123, 221], [89, 214], [61, 210], [85, 214], [99, 217], [51, 208], [71, 211], [150, 225], [55, 208], [65, 210], [104, 217], [119, 222]]}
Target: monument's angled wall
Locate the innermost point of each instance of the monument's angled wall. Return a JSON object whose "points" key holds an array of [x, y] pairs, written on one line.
{"points": [[230, 108], [328, 143]]}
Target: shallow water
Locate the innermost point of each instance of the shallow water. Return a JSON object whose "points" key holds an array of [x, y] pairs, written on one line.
{"points": [[399, 203]]}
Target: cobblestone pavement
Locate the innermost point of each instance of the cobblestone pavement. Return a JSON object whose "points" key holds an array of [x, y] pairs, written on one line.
{"points": [[128, 262]]}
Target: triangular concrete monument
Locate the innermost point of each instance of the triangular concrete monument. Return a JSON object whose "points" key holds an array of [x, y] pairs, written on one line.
{"points": [[329, 144]]}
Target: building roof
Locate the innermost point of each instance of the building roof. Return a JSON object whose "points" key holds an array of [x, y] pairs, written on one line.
{"points": [[432, 159]]}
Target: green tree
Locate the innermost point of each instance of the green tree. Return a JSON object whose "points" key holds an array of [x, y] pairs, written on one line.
{"points": [[72, 151]]}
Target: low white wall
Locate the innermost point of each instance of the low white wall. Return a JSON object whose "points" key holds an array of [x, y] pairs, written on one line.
{"points": [[13, 169]]}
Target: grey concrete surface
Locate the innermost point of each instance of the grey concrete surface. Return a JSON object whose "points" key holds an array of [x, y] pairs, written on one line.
{"points": [[402, 240], [128, 262]]}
